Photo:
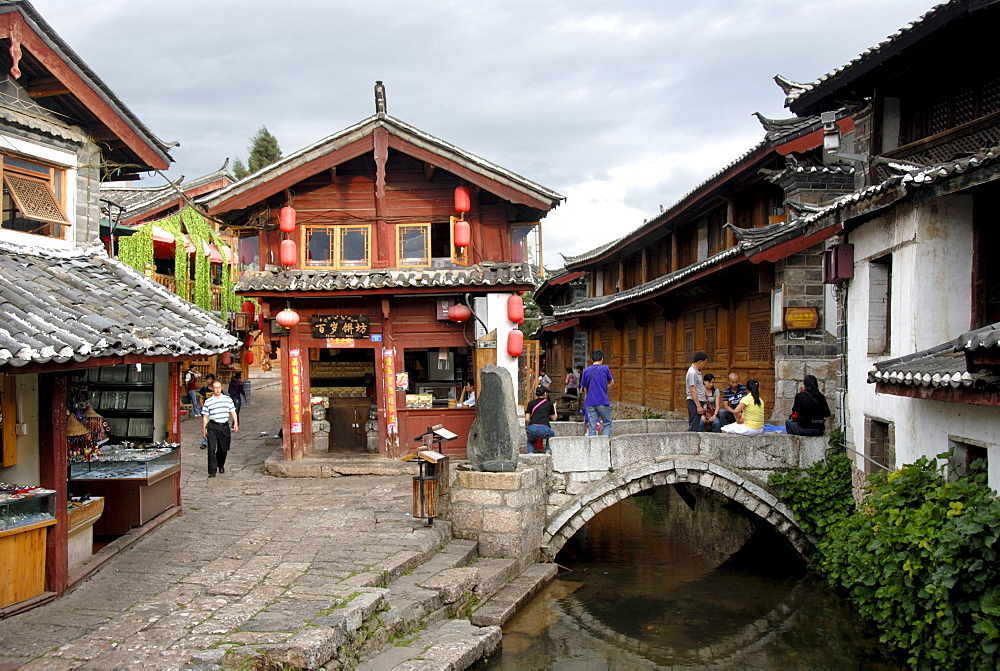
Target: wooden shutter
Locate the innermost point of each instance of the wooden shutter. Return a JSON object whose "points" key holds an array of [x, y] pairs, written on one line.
{"points": [[34, 198]]}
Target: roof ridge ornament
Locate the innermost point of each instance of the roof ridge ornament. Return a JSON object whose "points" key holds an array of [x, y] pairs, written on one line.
{"points": [[380, 107], [788, 86]]}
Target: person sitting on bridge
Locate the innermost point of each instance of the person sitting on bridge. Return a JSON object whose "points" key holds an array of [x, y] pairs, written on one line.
{"points": [[731, 397], [537, 416], [749, 413], [809, 411]]}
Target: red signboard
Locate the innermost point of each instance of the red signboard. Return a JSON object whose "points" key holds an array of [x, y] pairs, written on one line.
{"points": [[295, 389]]}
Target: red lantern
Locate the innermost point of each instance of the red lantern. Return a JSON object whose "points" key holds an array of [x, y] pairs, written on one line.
{"points": [[248, 357], [463, 233], [249, 308], [227, 358], [515, 309], [515, 343], [286, 219], [463, 201], [288, 253], [248, 341], [459, 313], [287, 318]]}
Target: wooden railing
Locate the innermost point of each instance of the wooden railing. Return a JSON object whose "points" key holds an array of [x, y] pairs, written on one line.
{"points": [[170, 282]]}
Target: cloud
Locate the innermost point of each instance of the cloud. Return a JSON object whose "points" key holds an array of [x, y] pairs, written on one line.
{"points": [[621, 107]]}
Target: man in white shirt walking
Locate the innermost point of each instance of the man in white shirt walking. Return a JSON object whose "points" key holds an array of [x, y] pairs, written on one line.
{"points": [[217, 412]]}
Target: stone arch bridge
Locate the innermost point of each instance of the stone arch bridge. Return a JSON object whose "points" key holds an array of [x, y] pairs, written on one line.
{"points": [[535, 510], [590, 473]]}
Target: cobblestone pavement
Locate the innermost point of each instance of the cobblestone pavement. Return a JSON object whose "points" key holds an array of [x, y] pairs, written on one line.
{"points": [[243, 541]]}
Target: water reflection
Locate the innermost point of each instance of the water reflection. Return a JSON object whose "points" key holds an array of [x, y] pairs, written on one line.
{"points": [[651, 582]]}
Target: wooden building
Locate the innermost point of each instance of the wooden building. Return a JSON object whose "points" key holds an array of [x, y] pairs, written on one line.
{"points": [[681, 283], [371, 269], [79, 327]]}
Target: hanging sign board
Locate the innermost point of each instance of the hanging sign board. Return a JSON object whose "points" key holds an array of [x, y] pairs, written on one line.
{"points": [[340, 326], [801, 318]]}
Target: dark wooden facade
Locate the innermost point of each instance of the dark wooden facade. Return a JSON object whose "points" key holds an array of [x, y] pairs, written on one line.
{"points": [[381, 181]]}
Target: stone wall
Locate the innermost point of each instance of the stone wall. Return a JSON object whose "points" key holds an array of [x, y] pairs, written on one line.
{"points": [[504, 512]]}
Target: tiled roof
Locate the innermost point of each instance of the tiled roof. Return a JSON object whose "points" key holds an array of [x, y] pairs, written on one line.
{"points": [[877, 196], [603, 302], [78, 304], [139, 199], [942, 366], [49, 35], [663, 216], [395, 127], [778, 131], [481, 275], [859, 65]]}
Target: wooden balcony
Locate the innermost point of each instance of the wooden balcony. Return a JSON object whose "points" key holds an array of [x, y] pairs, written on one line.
{"points": [[170, 282]]}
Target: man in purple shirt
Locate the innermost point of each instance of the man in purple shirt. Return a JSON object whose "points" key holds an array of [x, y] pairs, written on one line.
{"points": [[595, 381]]}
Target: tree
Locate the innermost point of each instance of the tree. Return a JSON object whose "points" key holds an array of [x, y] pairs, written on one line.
{"points": [[263, 151]]}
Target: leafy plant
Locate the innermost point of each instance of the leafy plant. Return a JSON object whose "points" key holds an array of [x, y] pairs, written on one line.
{"points": [[820, 496], [918, 559]]}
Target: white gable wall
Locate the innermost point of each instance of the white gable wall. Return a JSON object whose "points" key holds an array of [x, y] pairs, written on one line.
{"points": [[931, 303]]}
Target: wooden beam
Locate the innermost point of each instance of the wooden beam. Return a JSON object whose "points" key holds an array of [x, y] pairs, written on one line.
{"points": [[46, 86], [428, 170], [507, 192], [77, 87]]}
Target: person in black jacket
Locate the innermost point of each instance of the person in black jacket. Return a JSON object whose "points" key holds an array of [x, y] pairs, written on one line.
{"points": [[810, 410]]}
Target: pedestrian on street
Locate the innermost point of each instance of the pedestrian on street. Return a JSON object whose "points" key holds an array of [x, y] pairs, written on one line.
{"points": [[237, 391], [695, 385], [191, 384], [544, 381], [595, 382], [217, 413], [537, 416]]}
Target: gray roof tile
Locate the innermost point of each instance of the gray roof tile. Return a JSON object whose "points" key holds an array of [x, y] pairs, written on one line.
{"points": [[944, 365], [63, 305]]}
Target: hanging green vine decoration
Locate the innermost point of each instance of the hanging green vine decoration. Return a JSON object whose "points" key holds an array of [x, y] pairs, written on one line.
{"points": [[182, 273], [199, 233], [136, 250]]}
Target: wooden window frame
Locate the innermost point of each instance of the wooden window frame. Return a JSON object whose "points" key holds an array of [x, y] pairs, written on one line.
{"points": [[8, 427], [336, 247], [12, 178], [425, 261]]}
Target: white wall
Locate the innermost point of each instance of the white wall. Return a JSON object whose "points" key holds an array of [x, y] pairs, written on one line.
{"points": [[931, 303], [26, 470]]}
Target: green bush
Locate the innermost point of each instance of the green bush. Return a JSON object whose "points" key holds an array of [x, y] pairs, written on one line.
{"points": [[820, 495], [918, 560]]}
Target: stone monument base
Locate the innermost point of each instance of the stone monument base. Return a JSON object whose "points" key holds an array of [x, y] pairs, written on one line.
{"points": [[504, 512]]}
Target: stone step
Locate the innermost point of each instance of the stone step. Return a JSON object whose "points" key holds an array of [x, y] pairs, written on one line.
{"points": [[503, 605], [494, 574], [454, 644]]}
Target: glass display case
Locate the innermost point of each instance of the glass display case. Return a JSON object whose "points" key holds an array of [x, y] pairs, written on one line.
{"points": [[27, 508], [126, 464], [123, 395]]}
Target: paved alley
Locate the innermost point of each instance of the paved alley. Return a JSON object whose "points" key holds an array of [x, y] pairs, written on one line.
{"points": [[245, 541]]}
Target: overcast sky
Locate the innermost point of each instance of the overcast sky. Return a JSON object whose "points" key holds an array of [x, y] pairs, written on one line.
{"points": [[620, 106]]}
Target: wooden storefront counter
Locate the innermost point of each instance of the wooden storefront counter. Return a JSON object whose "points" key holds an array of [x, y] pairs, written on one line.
{"points": [[457, 420], [129, 502], [22, 562]]}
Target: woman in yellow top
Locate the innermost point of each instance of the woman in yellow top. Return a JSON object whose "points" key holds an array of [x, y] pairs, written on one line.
{"points": [[749, 413]]}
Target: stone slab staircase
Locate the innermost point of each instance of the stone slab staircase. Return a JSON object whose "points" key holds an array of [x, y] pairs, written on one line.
{"points": [[444, 611]]}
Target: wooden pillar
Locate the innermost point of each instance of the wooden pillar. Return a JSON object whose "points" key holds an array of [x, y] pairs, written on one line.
{"points": [[730, 219], [389, 427], [675, 262], [644, 276], [53, 472], [384, 238], [296, 358]]}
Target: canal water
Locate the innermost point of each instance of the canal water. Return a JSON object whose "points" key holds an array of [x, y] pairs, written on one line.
{"points": [[653, 582]]}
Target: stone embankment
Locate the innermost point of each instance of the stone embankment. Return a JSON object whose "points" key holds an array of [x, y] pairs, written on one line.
{"points": [[276, 571]]}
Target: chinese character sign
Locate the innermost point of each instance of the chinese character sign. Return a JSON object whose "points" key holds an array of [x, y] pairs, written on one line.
{"points": [[389, 380], [340, 326], [295, 389]]}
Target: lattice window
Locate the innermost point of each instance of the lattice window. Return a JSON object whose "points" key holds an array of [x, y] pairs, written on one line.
{"points": [[35, 199], [990, 97], [760, 340], [879, 445], [710, 342], [965, 107], [633, 347], [688, 345], [658, 347]]}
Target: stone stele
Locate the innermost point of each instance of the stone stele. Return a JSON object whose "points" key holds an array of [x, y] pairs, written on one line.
{"points": [[495, 435]]}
